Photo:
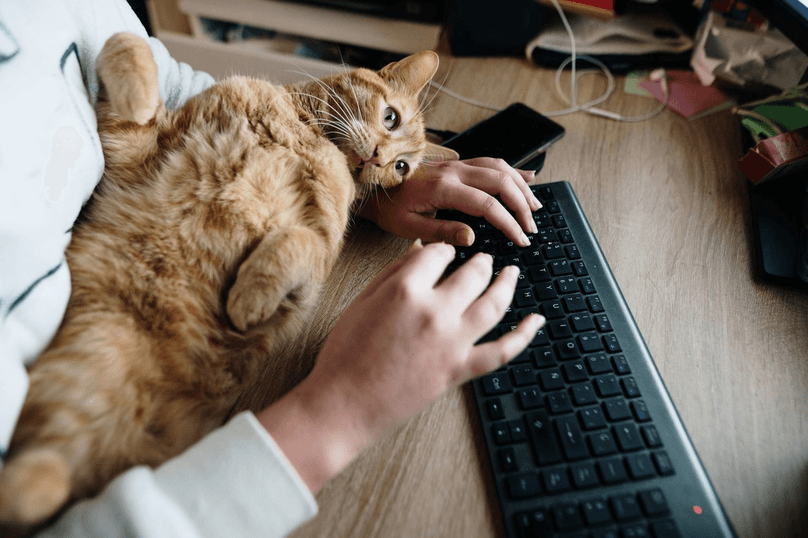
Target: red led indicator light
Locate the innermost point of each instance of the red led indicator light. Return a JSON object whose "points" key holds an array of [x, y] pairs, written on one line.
{"points": [[697, 509]]}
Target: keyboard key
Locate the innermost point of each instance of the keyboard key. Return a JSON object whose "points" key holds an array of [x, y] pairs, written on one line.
{"points": [[507, 459], [595, 305], [494, 407], [572, 440], [602, 444], [620, 365], [572, 251], [544, 442], [607, 385], [651, 436], [585, 284], [603, 323], [529, 398], [596, 512], [566, 237], [574, 372], [543, 357], [640, 466], [568, 350], [653, 502], [611, 343], [567, 517], [630, 388], [590, 343], [523, 375], [598, 364], [612, 470], [579, 269], [574, 303], [559, 403], [556, 480], [592, 418], [496, 383], [517, 429], [553, 251], [502, 434], [640, 411], [534, 523], [552, 310], [559, 329], [582, 322], [523, 486], [566, 285], [583, 394], [627, 436], [663, 463], [616, 410], [546, 291], [551, 379], [625, 507], [562, 268], [540, 338], [584, 475]]}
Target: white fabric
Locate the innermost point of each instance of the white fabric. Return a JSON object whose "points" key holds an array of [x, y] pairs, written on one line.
{"points": [[236, 482]]}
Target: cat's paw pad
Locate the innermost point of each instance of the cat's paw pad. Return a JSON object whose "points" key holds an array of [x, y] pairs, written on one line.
{"points": [[247, 306]]}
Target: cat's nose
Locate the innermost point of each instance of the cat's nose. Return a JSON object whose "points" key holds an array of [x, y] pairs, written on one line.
{"points": [[374, 159]]}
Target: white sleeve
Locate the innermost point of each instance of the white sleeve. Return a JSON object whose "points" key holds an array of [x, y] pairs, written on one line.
{"points": [[236, 482]]}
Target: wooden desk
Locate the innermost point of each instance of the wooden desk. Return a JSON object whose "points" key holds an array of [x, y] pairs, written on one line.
{"points": [[670, 210]]}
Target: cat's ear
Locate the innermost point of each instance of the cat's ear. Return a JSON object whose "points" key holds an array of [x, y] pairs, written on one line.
{"points": [[435, 153], [412, 73]]}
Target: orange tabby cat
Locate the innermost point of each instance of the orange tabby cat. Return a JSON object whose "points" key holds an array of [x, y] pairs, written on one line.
{"points": [[206, 242]]}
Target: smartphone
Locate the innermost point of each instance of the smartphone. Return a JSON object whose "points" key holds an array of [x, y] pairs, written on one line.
{"points": [[519, 135]]}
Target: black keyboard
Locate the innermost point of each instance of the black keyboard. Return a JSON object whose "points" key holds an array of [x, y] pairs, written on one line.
{"points": [[582, 437]]}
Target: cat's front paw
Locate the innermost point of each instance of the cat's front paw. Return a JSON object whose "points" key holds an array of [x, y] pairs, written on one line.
{"points": [[249, 305], [126, 67]]}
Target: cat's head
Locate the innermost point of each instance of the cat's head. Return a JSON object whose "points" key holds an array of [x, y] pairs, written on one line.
{"points": [[375, 118]]}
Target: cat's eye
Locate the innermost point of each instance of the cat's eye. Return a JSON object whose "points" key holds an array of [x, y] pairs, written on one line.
{"points": [[402, 168], [390, 120]]}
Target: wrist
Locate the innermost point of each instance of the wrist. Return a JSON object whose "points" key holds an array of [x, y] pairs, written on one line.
{"points": [[316, 431]]}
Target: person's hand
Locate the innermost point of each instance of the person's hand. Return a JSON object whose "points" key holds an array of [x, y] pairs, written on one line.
{"points": [[408, 210], [402, 343]]}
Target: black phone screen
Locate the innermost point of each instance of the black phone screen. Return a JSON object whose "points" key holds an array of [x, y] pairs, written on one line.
{"points": [[517, 135]]}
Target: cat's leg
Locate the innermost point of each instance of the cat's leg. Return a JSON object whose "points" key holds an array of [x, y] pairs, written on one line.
{"points": [[280, 281], [127, 69]]}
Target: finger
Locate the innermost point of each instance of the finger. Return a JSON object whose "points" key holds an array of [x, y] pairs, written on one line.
{"points": [[526, 177], [426, 265], [467, 283], [475, 202], [392, 268], [433, 230], [508, 184], [484, 313], [489, 356]]}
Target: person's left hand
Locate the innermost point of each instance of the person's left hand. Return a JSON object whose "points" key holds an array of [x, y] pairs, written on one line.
{"points": [[408, 210]]}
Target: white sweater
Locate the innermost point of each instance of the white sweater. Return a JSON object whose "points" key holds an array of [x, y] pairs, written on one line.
{"points": [[235, 482]]}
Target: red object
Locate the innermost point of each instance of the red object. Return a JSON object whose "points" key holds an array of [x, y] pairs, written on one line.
{"points": [[776, 156]]}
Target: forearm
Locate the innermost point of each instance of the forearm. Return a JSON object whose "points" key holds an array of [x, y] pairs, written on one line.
{"points": [[316, 431]]}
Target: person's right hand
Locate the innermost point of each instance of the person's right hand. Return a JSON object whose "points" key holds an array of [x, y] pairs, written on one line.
{"points": [[403, 342]]}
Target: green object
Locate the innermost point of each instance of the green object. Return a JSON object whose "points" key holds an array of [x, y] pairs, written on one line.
{"points": [[777, 114]]}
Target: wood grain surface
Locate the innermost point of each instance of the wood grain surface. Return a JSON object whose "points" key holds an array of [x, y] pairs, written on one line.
{"points": [[671, 212]]}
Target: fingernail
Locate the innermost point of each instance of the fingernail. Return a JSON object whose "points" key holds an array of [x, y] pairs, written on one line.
{"points": [[536, 202], [533, 228], [416, 244], [524, 239], [465, 237]]}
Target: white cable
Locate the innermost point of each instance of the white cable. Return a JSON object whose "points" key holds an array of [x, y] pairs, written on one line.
{"points": [[588, 107]]}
